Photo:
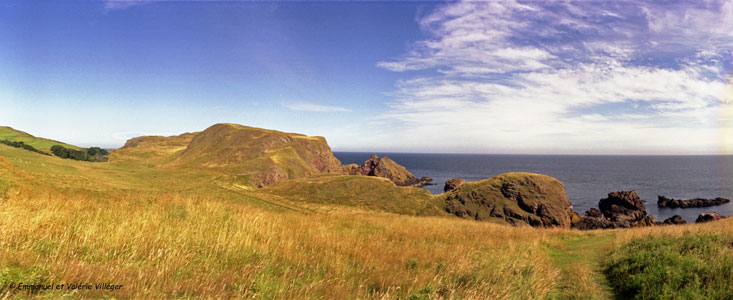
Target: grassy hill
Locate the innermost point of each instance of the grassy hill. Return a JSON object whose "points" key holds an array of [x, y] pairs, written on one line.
{"points": [[260, 157], [167, 230], [43, 144]]}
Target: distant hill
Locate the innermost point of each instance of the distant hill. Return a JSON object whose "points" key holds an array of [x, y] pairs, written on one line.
{"points": [[257, 156], [42, 144], [152, 150]]}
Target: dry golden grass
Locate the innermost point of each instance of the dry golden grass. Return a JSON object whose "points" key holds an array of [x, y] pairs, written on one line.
{"points": [[170, 246], [169, 233]]}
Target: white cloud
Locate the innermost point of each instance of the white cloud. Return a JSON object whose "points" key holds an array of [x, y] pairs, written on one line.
{"points": [[110, 5], [570, 77], [312, 107]]}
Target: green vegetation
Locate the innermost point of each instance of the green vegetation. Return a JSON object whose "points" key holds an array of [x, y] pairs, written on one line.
{"points": [[579, 260], [22, 145], [692, 266], [89, 154], [373, 193], [41, 144]]}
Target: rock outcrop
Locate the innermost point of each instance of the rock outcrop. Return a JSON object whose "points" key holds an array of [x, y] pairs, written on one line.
{"points": [[387, 168], [708, 217], [423, 181], [675, 220], [696, 202], [453, 184], [623, 208], [514, 198], [620, 209]]}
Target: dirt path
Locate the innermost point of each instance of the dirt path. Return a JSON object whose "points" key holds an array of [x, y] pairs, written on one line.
{"points": [[579, 258]]}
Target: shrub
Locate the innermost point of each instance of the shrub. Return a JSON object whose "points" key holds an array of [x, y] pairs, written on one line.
{"points": [[90, 154], [22, 145], [693, 266]]}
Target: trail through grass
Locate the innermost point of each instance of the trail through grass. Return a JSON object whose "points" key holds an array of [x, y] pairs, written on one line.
{"points": [[579, 259]]}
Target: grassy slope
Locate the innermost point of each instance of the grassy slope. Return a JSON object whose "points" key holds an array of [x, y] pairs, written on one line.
{"points": [[373, 193], [168, 232], [234, 148], [43, 144]]}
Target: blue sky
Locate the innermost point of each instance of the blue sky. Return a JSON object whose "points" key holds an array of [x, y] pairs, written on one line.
{"points": [[586, 77]]}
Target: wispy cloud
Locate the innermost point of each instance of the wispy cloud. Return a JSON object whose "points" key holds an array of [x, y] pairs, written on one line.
{"points": [[312, 107], [110, 5], [539, 76]]}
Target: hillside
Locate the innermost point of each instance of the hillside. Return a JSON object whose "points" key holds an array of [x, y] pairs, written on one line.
{"points": [[152, 150], [258, 157], [43, 144], [164, 224], [514, 198]]}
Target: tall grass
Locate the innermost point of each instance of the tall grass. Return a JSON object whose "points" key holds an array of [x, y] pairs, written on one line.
{"points": [[171, 246]]}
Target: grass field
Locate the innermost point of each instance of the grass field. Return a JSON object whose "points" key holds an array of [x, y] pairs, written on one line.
{"points": [[164, 232], [7, 133]]}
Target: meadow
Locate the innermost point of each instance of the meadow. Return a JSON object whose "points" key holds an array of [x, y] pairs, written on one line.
{"points": [[7, 133], [164, 232]]}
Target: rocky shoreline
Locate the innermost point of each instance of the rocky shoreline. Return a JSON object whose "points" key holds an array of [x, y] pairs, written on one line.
{"points": [[535, 200]]}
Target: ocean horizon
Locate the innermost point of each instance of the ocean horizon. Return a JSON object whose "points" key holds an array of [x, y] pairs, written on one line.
{"points": [[587, 178]]}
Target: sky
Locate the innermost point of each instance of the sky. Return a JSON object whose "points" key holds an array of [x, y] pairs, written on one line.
{"points": [[519, 77]]}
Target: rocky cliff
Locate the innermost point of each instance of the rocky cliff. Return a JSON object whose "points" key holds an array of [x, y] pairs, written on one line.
{"points": [[386, 168], [514, 198]]}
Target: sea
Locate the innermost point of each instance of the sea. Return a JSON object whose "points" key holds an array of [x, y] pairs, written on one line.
{"points": [[587, 178]]}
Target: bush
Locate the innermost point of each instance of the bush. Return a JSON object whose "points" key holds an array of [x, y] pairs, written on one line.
{"points": [[90, 154], [693, 266], [22, 145]]}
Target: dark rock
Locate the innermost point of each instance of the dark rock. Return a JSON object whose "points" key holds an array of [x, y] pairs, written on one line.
{"points": [[696, 202], [425, 180], [675, 220], [588, 223], [594, 213], [708, 217], [623, 208], [453, 184], [648, 221], [514, 198], [387, 168]]}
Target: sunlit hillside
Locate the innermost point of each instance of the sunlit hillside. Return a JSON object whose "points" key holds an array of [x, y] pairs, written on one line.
{"points": [[162, 231]]}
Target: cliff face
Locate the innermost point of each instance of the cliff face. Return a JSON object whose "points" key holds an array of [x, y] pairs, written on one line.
{"points": [[514, 198], [262, 156]]}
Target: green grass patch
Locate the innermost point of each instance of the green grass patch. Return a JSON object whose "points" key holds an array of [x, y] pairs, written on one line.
{"points": [[579, 259], [13, 135], [693, 266]]}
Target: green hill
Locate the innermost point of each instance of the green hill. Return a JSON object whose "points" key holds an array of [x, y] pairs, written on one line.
{"points": [[42, 144]]}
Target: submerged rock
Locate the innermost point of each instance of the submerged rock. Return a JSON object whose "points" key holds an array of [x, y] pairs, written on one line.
{"points": [[514, 198], [453, 184], [425, 180], [708, 217], [696, 202]]}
